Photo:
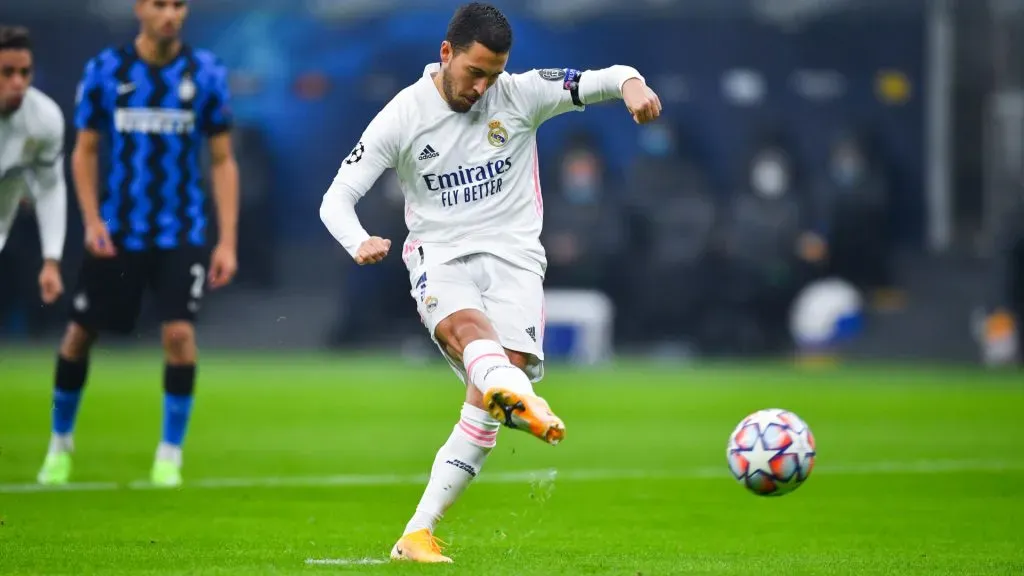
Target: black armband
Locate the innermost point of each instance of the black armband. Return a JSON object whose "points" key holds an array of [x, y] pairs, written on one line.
{"points": [[572, 84]]}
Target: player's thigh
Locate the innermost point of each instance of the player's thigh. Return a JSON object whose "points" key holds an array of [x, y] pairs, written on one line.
{"points": [[178, 281], [108, 291], [442, 290], [514, 302]]}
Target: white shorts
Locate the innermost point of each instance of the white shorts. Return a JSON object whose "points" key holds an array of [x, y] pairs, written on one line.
{"points": [[512, 299]]}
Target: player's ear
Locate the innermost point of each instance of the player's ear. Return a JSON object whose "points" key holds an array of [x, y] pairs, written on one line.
{"points": [[446, 52]]}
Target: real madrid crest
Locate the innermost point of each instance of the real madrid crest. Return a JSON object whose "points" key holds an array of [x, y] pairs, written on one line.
{"points": [[186, 89], [496, 134]]}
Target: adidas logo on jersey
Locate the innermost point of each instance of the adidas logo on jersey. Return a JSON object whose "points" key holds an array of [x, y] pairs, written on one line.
{"points": [[428, 153], [532, 333]]}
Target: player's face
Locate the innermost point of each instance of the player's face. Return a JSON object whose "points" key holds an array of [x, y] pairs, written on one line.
{"points": [[15, 78], [162, 20], [467, 75]]}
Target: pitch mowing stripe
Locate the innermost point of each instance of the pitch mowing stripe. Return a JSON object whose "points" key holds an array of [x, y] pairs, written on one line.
{"points": [[344, 561], [526, 476], [70, 487]]}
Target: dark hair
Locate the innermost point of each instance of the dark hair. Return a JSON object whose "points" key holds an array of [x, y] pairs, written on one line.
{"points": [[14, 38], [479, 22]]}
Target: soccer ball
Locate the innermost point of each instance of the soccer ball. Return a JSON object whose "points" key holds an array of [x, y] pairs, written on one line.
{"points": [[771, 452]]}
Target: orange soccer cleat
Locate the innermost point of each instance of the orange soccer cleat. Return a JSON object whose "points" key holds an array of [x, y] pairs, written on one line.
{"points": [[524, 412], [419, 546]]}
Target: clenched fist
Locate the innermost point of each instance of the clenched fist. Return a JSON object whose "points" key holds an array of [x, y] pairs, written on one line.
{"points": [[372, 250], [641, 101]]}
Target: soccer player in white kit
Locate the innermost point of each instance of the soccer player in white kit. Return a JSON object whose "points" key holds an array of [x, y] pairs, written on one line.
{"points": [[463, 142], [31, 156]]}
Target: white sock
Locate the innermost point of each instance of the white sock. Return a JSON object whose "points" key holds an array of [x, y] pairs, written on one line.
{"points": [[455, 466], [487, 365], [61, 443], [169, 452]]}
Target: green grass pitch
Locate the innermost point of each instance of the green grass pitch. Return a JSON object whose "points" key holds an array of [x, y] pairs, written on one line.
{"points": [[309, 464]]}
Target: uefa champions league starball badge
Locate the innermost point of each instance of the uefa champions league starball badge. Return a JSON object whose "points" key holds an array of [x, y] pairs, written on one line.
{"points": [[187, 89]]}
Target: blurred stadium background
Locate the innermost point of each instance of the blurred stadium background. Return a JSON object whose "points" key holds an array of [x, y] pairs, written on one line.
{"points": [[858, 160], [676, 224]]}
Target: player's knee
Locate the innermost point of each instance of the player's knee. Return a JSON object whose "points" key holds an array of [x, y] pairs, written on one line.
{"points": [[518, 359], [452, 352], [179, 341], [459, 329], [77, 342]]}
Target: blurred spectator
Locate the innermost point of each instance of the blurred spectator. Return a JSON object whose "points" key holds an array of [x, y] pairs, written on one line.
{"points": [[851, 215], [672, 224], [770, 245], [1000, 334], [583, 229]]}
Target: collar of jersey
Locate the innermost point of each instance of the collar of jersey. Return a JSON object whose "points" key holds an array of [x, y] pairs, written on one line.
{"points": [[431, 68]]}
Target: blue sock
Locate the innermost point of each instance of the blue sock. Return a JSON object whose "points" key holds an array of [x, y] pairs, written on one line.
{"points": [[65, 409], [179, 384], [67, 392], [177, 410]]}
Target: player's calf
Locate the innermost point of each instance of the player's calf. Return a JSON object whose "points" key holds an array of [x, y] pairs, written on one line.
{"points": [[77, 342], [69, 381], [179, 389]]}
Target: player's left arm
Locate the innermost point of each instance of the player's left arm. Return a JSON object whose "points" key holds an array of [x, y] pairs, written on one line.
{"points": [[51, 201], [217, 122], [224, 174], [553, 91]]}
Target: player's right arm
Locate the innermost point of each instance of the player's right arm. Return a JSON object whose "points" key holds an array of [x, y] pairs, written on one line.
{"points": [[84, 171], [51, 198], [544, 94], [90, 117], [376, 151]]}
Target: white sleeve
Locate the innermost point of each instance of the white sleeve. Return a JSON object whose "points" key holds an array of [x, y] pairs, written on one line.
{"points": [[376, 151], [549, 92], [50, 188]]}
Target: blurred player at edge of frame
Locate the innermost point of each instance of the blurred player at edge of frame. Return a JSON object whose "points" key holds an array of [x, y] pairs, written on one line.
{"points": [[32, 156], [463, 142], [156, 99]]}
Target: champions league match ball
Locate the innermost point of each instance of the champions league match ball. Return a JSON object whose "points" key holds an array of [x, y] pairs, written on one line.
{"points": [[771, 452]]}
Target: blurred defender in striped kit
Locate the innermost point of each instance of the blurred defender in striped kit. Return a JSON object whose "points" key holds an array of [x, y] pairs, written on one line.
{"points": [[155, 99]]}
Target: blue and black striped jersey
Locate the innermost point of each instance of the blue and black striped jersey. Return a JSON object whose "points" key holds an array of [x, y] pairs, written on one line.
{"points": [[155, 118]]}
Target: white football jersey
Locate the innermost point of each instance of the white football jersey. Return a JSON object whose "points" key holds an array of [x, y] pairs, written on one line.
{"points": [[471, 180], [31, 165]]}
